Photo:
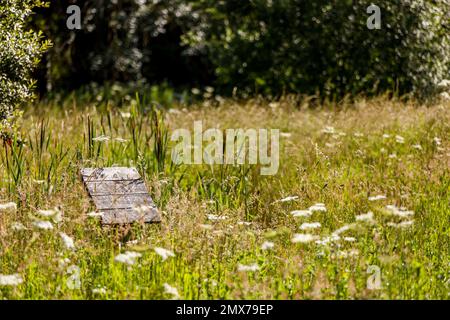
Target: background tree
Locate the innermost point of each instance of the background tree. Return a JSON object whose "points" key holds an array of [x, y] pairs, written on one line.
{"points": [[257, 46], [20, 52]]}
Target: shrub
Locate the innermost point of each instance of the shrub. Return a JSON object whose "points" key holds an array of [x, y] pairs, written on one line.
{"points": [[20, 50], [325, 46]]}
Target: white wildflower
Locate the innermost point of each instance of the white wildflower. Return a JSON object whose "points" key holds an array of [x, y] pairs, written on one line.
{"points": [[62, 263], [125, 115], [95, 214], [377, 198], [348, 254], [400, 212], [99, 291], [129, 257], [17, 226], [44, 225], [120, 140], [445, 96], [368, 217], [393, 156], [244, 223], [444, 84], [168, 289], [309, 226], [318, 207], [329, 130], [10, 280], [437, 141], [358, 134], [54, 214], [213, 217], [267, 245], [164, 253], [329, 239], [101, 139], [195, 91], [349, 239], [8, 207], [399, 139], [68, 241], [304, 238], [285, 134], [206, 226], [403, 224], [386, 136], [343, 229], [417, 147], [248, 268], [301, 213], [288, 199]]}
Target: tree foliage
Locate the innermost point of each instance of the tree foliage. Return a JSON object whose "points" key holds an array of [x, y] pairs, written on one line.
{"points": [[262, 46], [20, 52]]}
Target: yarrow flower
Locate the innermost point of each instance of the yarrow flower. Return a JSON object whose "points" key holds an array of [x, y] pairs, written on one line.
{"points": [[403, 224], [437, 140], [44, 225], [377, 198], [95, 214], [164, 253], [129, 257], [368, 217], [213, 217], [343, 229], [318, 207], [68, 241], [8, 207], [99, 291], [312, 225], [17, 226], [327, 240], [248, 268], [101, 139], [287, 199], [400, 212], [399, 139], [10, 280], [55, 214], [301, 213], [329, 130], [267, 245], [168, 289], [304, 238]]}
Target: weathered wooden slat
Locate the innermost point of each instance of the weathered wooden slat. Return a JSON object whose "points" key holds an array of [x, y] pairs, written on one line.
{"points": [[120, 195], [116, 187], [110, 174], [125, 216], [125, 201]]}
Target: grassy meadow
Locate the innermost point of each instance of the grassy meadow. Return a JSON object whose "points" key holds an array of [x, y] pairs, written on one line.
{"points": [[361, 187]]}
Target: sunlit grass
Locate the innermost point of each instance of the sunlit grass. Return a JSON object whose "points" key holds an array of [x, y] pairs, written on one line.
{"points": [[364, 184]]}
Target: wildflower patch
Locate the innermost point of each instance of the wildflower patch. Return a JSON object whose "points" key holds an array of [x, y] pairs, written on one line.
{"points": [[120, 195]]}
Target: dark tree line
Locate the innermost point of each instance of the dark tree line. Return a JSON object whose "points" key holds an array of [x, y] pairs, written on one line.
{"points": [[263, 46]]}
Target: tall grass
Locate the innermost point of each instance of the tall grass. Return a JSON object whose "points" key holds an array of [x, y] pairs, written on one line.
{"points": [[216, 218]]}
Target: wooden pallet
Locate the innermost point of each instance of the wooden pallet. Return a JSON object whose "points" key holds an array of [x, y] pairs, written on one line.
{"points": [[120, 195]]}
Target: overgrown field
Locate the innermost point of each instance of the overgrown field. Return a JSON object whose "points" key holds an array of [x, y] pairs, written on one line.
{"points": [[361, 188]]}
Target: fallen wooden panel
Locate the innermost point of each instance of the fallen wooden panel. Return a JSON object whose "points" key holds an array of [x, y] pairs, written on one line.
{"points": [[120, 195]]}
